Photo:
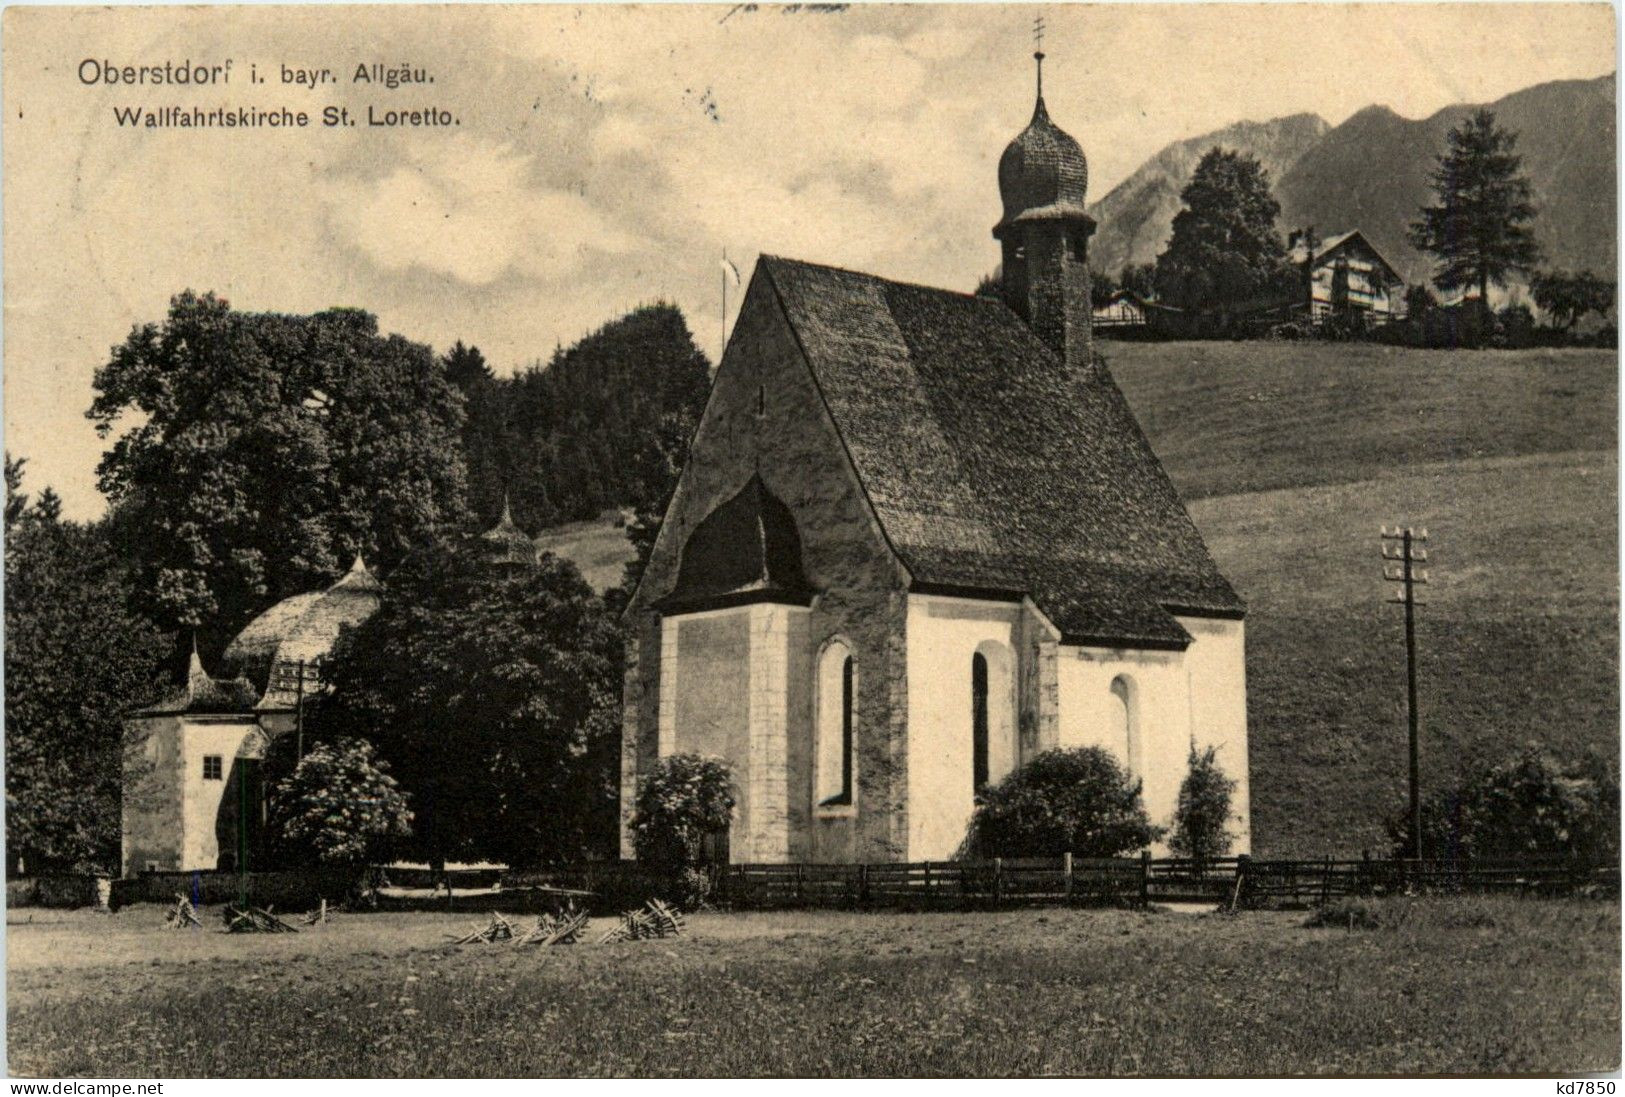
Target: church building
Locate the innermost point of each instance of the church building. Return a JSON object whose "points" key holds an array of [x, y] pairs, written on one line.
{"points": [[918, 540]]}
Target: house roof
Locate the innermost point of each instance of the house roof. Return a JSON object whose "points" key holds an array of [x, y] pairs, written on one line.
{"points": [[201, 694], [992, 466], [1299, 253], [301, 629]]}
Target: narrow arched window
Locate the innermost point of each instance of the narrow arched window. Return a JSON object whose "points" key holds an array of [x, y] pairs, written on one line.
{"points": [[978, 695], [837, 720], [1123, 733]]}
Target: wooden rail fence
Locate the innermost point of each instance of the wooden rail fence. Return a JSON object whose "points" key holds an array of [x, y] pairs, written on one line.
{"points": [[1235, 882]]}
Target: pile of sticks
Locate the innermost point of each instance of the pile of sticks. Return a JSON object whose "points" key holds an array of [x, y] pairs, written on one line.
{"points": [[560, 929], [499, 929], [182, 915], [652, 921], [252, 919]]}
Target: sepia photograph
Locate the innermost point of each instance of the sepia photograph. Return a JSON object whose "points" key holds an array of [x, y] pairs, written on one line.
{"points": [[811, 541]]}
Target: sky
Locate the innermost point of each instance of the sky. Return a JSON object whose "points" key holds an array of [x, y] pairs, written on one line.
{"points": [[605, 157]]}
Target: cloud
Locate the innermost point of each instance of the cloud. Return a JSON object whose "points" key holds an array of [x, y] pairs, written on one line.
{"points": [[467, 209]]}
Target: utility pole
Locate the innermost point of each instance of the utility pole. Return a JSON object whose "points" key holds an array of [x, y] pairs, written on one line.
{"points": [[299, 715], [1401, 555]]}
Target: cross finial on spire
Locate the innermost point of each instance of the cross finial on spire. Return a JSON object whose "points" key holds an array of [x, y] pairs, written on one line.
{"points": [[1038, 51]]}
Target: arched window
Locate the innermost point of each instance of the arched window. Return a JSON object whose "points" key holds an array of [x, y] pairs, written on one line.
{"points": [[978, 695], [1124, 735], [837, 711]]}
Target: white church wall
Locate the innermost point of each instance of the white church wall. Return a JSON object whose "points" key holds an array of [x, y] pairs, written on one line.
{"points": [[944, 634], [1217, 667], [726, 693], [1173, 695], [1158, 715]]}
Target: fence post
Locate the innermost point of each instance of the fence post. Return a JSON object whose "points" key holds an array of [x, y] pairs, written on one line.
{"points": [[1326, 882], [863, 885], [1366, 887], [1244, 865], [1145, 877], [998, 879], [799, 870], [1066, 870]]}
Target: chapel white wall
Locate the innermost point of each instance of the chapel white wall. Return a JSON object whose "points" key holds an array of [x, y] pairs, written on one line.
{"points": [[943, 634], [1198, 692]]}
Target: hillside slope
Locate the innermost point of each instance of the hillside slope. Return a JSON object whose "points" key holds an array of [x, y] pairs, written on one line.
{"points": [[1372, 173], [1292, 457], [1137, 215]]}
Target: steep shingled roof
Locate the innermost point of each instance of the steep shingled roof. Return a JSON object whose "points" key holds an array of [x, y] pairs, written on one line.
{"points": [[993, 467]]}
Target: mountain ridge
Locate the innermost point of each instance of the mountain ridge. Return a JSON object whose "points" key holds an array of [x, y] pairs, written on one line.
{"points": [[1371, 172]]}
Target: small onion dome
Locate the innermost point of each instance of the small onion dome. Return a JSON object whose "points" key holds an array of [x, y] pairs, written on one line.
{"points": [[506, 545], [1042, 175], [746, 550], [300, 631], [205, 695]]}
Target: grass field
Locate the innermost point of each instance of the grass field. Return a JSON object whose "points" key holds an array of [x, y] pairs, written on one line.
{"points": [[1465, 985], [1291, 455]]}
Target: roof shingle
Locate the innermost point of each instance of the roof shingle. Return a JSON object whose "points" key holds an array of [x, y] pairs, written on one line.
{"points": [[994, 467]]}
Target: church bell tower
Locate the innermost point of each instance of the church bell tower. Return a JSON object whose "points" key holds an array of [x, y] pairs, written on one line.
{"points": [[1045, 233]]}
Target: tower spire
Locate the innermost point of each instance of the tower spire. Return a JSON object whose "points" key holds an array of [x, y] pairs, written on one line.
{"points": [[1038, 53]]}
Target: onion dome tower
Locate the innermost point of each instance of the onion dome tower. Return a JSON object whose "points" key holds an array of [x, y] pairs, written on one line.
{"points": [[507, 547], [1045, 232]]}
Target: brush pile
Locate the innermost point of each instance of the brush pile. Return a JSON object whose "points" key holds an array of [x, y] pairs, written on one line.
{"points": [[251, 919], [651, 921], [182, 915]]}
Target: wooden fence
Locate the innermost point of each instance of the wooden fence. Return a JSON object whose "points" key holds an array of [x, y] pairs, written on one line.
{"points": [[958, 884], [1235, 882]]}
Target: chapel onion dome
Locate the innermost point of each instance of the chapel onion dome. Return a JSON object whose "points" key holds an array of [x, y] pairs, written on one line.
{"points": [[506, 545], [299, 633], [1043, 174]]}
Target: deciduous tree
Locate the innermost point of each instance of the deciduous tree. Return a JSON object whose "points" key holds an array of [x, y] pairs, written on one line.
{"points": [[255, 454], [77, 658], [1224, 252], [492, 692]]}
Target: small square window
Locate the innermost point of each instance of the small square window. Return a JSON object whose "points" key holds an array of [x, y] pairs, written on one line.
{"points": [[213, 769]]}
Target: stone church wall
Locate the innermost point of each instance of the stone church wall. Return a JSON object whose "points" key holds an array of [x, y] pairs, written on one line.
{"points": [[765, 415]]}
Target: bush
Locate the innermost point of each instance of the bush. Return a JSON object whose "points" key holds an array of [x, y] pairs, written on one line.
{"points": [[340, 806], [1526, 806], [684, 799], [1077, 801], [1203, 811]]}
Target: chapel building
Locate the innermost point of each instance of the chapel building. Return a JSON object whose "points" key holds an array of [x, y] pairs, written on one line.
{"points": [[919, 539]]}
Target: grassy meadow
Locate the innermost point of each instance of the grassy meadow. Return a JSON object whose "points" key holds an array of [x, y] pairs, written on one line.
{"points": [[1443, 986], [1291, 455]]}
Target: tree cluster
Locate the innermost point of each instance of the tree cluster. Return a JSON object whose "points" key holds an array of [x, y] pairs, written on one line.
{"points": [[77, 658], [1527, 805], [590, 430], [493, 695], [254, 454]]}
